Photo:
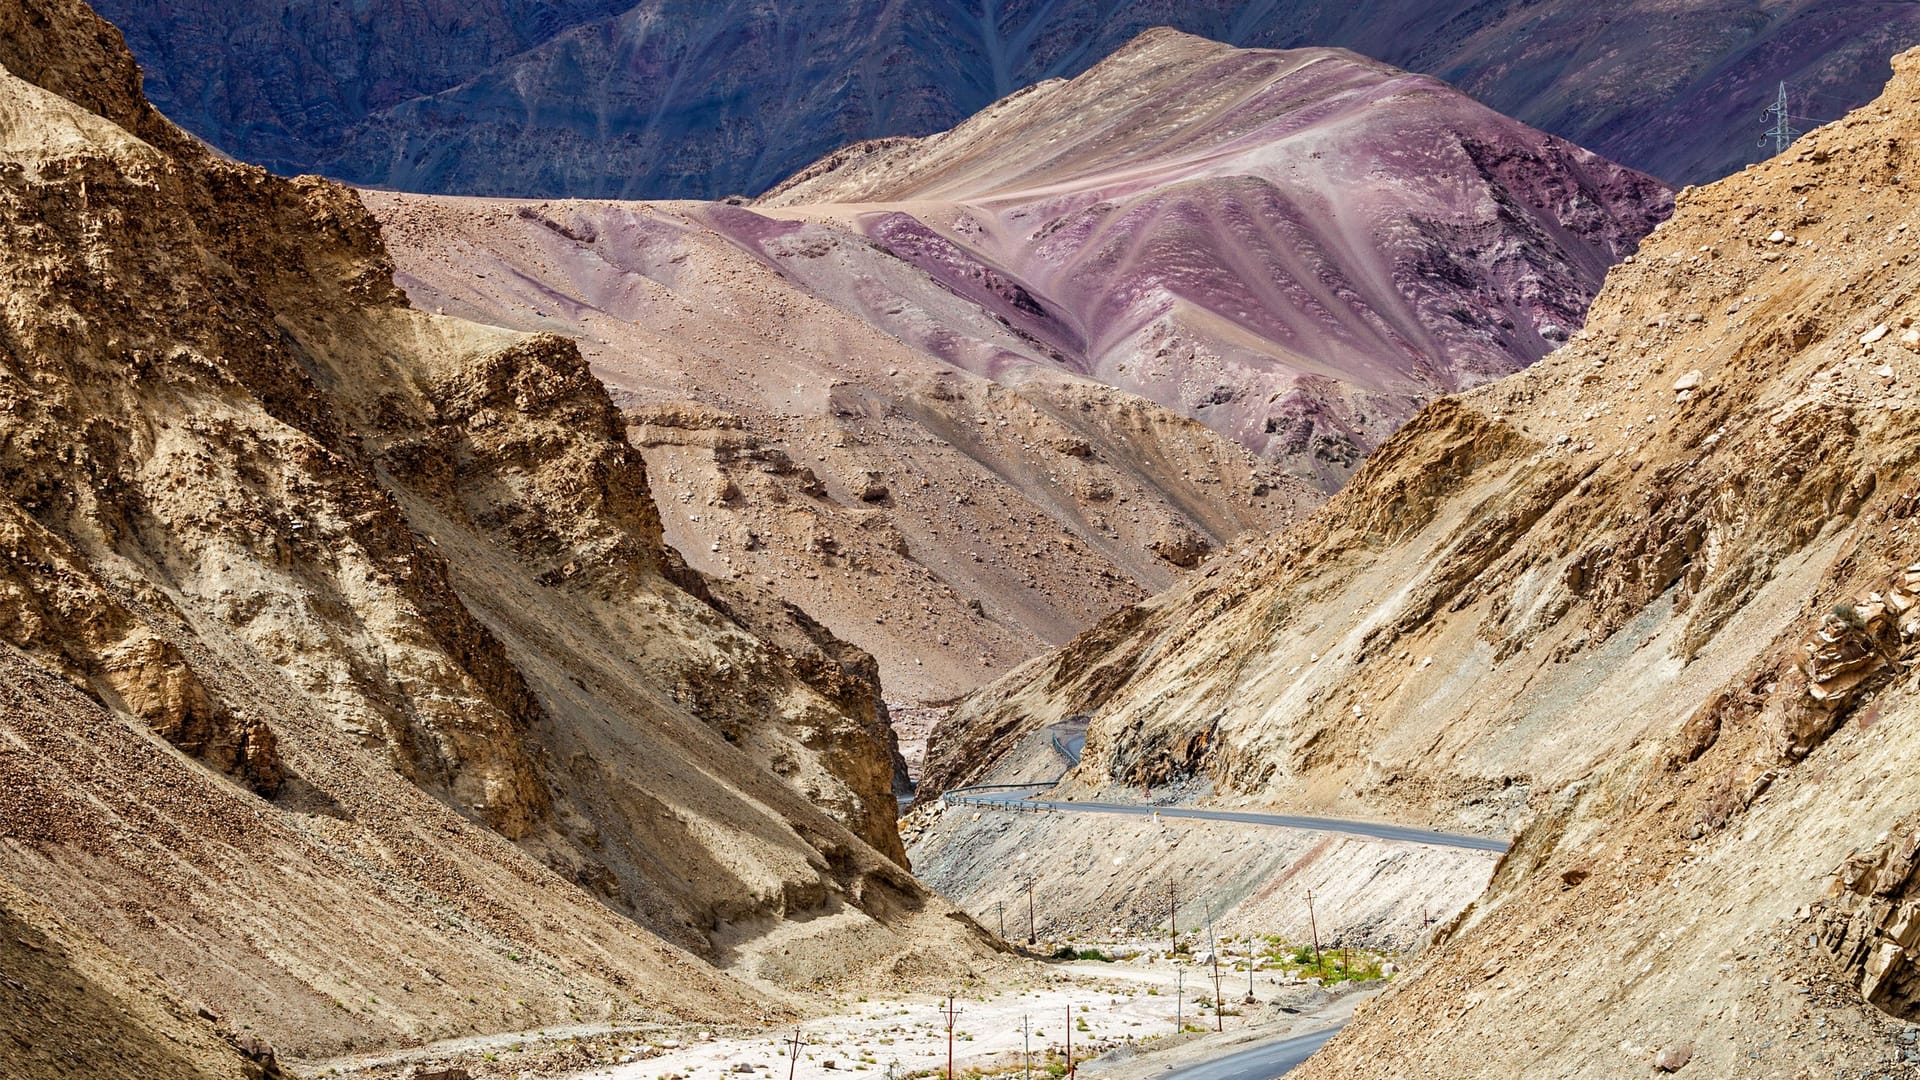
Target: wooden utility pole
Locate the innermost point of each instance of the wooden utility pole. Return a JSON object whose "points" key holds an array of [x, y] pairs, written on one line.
{"points": [[1026, 1041], [1315, 928], [949, 1037], [794, 1062], [1000, 906], [1031, 937], [1173, 926], [1179, 998], [1069, 1042]]}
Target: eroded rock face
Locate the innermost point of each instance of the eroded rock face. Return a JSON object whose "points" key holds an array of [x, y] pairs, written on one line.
{"points": [[392, 592], [1870, 922]]}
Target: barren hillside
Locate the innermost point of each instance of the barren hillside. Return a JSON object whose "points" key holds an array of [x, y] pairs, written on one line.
{"points": [[951, 525], [1649, 605], [948, 394], [351, 688]]}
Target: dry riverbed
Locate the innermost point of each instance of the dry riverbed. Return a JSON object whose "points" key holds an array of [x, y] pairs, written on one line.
{"points": [[1122, 1022]]}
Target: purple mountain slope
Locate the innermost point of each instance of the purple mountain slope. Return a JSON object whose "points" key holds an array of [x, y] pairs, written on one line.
{"points": [[675, 98], [1297, 248]]}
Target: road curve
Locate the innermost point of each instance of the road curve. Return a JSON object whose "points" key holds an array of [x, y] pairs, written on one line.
{"points": [[1369, 830], [1259, 1063]]}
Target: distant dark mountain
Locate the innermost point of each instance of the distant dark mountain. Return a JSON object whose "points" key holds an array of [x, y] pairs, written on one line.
{"points": [[698, 98]]}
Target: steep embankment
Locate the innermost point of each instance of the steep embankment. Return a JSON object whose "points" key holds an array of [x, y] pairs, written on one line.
{"points": [[677, 98], [1650, 604], [944, 391], [349, 684]]}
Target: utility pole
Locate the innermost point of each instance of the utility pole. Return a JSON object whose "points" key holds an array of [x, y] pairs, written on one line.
{"points": [[1173, 925], [1026, 1041], [1031, 938], [1213, 950], [949, 1038], [1782, 132], [1315, 927], [794, 1062], [1069, 1042], [1179, 998], [1251, 1000], [1000, 906]]}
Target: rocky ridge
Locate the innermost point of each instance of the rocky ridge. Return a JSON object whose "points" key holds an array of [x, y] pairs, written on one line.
{"points": [[679, 99], [352, 688], [1644, 605]]}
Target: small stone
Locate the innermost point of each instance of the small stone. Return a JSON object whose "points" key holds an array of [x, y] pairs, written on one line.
{"points": [[742, 1067], [1673, 1058], [1875, 334], [1778, 237], [1690, 381]]}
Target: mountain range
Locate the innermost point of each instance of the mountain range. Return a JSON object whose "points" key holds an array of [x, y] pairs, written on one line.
{"points": [[1652, 605], [961, 396], [685, 98]]}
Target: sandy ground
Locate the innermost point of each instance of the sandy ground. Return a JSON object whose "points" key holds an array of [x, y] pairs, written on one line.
{"points": [[1123, 1025], [1121, 1011]]}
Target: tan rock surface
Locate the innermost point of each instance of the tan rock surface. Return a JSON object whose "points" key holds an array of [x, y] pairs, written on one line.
{"points": [[349, 685]]}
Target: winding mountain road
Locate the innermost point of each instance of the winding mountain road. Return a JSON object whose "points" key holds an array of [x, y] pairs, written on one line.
{"points": [[1259, 1063], [1012, 799], [1070, 741]]}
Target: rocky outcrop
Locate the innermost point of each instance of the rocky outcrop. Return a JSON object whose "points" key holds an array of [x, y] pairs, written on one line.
{"points": [[1870, 922], [674, 99], [311, 602]]}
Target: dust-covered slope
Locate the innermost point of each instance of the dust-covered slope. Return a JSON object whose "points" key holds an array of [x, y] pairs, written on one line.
{"points": [[1650, 606], [1298, 249], [68, 1008], [800, 438], [351, 688], [944, 392]]}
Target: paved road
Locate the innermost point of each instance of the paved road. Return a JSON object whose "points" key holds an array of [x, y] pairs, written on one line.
{"points": [[1370, 830], [1259, 1063]]}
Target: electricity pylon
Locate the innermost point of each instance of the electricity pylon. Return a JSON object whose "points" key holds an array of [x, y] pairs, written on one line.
{"points": [[1782, 132]]}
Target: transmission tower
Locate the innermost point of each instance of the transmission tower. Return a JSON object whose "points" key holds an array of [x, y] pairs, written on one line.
{"points": [[1782, 132]]}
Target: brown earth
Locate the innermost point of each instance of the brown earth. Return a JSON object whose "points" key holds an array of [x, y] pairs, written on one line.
{"points": [[951, 525], [350, 686], [1648, 605]]}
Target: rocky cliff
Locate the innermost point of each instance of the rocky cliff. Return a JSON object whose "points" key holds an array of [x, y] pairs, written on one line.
{"points": [[1648, 606], [675, 98], [351, 686]]}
